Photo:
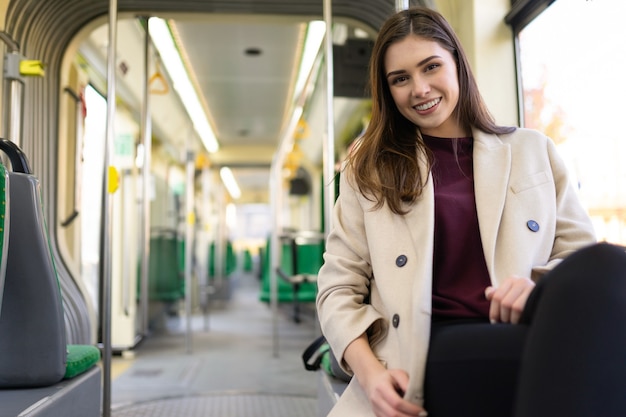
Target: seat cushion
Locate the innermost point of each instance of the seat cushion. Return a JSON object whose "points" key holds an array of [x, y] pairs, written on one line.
{"points": [[80, 358]]}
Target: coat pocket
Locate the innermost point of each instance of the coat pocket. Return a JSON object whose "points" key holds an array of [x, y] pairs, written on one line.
{"points": [[530, 181]]}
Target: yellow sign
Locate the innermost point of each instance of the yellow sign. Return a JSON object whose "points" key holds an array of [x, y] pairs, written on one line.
{"points": [[114, 180], [31, 68]]}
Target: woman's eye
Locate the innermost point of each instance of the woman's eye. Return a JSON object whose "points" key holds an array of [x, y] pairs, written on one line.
{"points": [[399, 79], [431, 67]]}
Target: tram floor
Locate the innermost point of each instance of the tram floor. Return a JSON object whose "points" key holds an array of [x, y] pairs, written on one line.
{"points": [[231, 365]]}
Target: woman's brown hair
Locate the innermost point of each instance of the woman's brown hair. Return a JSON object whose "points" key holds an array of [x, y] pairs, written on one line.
{"points": [[385, 161]]}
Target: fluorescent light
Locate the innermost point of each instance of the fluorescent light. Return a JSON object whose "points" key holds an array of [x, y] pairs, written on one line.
{"points": [[162, 38], [313, 41], [231, 216], [229, 181]]}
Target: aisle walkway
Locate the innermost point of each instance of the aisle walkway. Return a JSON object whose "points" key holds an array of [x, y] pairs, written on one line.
{"points": [[232, 370]]}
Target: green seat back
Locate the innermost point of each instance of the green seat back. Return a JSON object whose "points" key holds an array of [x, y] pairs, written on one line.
{"points": [[166, 269], [309, 262]]}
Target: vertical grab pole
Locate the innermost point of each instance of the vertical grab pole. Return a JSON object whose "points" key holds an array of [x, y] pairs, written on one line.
{"points": [[204, 247], [220, 242], [329, 142], [277, 202], [189, 227], [13, 91], [109, 174], [273, 250], [146, 128]]}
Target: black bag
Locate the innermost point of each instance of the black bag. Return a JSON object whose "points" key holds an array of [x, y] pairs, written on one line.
{"points": [[318, 355]]}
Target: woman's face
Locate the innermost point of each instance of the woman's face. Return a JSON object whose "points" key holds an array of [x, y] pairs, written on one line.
{"points": [[422, 77]]}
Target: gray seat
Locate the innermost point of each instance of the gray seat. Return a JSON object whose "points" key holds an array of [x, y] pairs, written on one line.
{"points": [[32, 327], [38, 377]]}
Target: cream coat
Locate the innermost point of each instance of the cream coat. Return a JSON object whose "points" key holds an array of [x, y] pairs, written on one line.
{"points": [[518, 177]]}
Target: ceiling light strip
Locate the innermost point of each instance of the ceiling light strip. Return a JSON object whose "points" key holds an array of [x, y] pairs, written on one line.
{"points": [[171, 59], [230, 183], [312, 44]]}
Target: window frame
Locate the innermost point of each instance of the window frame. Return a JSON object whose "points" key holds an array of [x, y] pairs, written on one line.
{"points": [[523, 12]]}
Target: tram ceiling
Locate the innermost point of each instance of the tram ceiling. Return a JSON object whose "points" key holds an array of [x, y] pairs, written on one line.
{"points": [[244, 67]]}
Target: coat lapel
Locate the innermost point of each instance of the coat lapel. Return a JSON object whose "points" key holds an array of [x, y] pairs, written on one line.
{"points": [[492, 167], [420, 224]]}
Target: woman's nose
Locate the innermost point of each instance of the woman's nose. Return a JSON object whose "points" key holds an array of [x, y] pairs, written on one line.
{"points": [[420, 88]]}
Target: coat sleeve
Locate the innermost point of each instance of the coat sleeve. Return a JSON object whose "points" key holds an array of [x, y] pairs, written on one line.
{"points": [[574, 228], [344, 278]]}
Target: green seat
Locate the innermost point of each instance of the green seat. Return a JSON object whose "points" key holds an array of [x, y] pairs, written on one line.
{"points": [[230, 260], [247, 260], [309, 262], [166, 268]]}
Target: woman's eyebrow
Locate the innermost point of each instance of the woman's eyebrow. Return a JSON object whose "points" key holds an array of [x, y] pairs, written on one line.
{"points": [[419, 64]]}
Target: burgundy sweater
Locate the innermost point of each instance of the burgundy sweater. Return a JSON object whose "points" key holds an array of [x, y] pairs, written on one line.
{"points": [[459, 270]]}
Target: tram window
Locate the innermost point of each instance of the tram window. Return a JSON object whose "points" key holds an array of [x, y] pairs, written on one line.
{"points": [[572, 60]]}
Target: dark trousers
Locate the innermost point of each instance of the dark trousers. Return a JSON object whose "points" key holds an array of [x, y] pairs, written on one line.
{"points": [[566, 358]]}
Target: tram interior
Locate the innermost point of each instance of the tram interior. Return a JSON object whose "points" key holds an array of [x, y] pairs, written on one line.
{"points": [[192, 274], [210, 334]]}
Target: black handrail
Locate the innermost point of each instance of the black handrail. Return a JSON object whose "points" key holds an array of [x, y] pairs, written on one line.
{"points": [[19, 161]]}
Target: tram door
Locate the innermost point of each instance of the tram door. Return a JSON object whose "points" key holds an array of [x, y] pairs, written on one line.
{"points": [[125, 268], [124, 256]]}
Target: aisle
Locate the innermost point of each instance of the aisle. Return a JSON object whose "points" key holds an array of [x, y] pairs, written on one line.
{"points": [[231, 370]]}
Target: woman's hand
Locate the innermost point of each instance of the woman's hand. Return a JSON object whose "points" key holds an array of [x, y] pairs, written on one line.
{"points": [[508, 300], [384, 388], [385, 391]]}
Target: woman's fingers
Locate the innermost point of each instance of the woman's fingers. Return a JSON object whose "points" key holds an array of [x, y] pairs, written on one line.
{"points": [[387, 393], [508, 300]]}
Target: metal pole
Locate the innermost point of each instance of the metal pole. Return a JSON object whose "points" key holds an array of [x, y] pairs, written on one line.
{"points": [[220, 242], [13, 97], [189, 227], [329, 138], [146, 128], [274, 249], [204, 247], [276, 198], [16, 106], [13, 91], [108, 214]]}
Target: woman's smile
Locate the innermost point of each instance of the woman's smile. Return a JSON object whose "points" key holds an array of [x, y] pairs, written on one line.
{"points": [[429, 105]]}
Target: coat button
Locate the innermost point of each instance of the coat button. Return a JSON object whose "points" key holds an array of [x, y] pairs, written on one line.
{"points": [[401, 261], [395, 321], [532, 225]]}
